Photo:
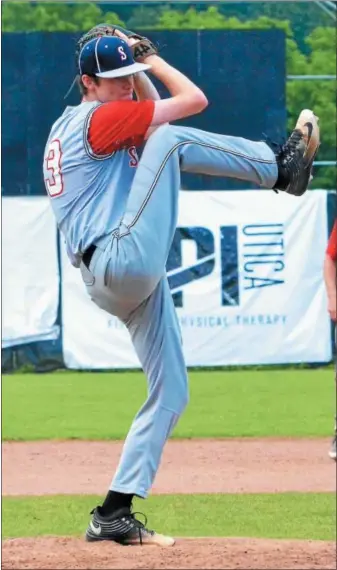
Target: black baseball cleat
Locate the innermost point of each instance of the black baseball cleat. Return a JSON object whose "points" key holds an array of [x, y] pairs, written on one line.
{"points": [[124, 528], [295, 158]]}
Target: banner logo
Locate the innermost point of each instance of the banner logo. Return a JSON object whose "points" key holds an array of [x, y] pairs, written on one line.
{"points": [[250, 257]]}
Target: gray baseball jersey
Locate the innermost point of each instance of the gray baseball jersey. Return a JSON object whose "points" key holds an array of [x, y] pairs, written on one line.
{"points": [[88, 168]]}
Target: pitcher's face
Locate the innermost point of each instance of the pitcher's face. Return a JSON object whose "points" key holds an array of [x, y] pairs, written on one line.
{"points": [[112, 89]]}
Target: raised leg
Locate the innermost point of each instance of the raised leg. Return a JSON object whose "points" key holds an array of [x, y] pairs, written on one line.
{"points": [[147, 229]]}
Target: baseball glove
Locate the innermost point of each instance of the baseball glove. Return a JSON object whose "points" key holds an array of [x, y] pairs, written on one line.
{"points": [[143, 48]]}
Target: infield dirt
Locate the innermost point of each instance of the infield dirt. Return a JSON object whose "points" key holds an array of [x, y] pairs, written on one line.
{"points": [[208, 466]]}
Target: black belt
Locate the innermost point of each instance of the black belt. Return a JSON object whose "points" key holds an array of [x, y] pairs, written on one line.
{"points": [[87, 255]]}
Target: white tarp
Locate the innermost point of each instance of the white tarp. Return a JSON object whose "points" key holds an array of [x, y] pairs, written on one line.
{"points": [[246, 272], [30, 274]]}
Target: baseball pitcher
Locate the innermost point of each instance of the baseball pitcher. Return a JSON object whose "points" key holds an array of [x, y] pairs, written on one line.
{"points": [[118, 214]]}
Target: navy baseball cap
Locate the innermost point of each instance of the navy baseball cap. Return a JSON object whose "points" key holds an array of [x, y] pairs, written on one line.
{"points": [[108, 56]]}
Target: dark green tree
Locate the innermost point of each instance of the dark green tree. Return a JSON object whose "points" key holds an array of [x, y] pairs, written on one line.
{"points": [[53, 16]]}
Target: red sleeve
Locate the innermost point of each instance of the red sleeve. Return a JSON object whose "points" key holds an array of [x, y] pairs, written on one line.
{"points": [[119, 124], [331, 250]]}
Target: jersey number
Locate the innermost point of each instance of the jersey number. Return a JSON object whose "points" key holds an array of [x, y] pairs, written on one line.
{"points": [[54, 183]]}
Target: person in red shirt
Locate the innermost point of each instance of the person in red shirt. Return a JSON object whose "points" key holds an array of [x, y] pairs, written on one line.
{"points": [[330, 266]]}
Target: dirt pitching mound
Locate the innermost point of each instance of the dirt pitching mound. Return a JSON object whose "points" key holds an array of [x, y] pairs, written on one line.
{"points": [[225, 553]]}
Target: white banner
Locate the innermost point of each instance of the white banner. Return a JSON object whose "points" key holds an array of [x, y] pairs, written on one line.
{"points": [[245, 270], [30, 274]]}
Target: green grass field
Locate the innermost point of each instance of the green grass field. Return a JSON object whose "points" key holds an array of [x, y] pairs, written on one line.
{"points": [[247, 403], [270, 516], [223, 404]]}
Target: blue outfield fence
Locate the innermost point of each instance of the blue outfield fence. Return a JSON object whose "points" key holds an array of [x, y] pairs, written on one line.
{"points": [[242, 73]]}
